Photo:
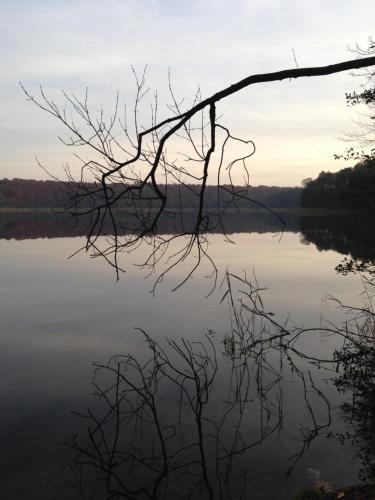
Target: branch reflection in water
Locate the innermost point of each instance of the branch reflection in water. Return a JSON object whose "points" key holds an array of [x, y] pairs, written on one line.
{"points": [[243, 404], [179, 423], [352, 235], [356, 379]]}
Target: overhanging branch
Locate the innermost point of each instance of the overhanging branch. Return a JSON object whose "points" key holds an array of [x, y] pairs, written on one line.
{"points": [[139, 182]]}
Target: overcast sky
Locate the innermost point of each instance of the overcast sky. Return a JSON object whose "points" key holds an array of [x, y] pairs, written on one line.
{"points": [[297, 125]]}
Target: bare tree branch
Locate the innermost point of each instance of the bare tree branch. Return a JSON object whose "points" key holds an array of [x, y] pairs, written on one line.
{"points": [[137, 186]]}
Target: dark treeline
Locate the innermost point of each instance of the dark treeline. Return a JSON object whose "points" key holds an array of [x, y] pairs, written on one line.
{"points": [[350, 188], [24, 193], [21, 193]]}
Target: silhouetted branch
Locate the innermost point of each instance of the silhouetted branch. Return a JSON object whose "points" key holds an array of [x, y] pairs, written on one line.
{"points": [[134, 174]]}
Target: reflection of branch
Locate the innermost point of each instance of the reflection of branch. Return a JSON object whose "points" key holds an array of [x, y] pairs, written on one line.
{"points": [[310, 434], [356, 379], [178, 422], [135, 173]]}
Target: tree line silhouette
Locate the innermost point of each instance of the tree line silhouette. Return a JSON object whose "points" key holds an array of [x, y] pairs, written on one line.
{"points": [[351, 188], [25, 193]]}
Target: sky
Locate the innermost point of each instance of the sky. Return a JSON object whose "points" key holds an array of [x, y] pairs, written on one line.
{"points": [[297, 126]]}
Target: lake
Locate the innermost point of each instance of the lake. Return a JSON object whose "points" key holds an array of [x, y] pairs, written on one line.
{"points": [[60, 315]]}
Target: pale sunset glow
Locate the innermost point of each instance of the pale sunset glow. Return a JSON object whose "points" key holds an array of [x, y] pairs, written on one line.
{"points": [[296, 126]]}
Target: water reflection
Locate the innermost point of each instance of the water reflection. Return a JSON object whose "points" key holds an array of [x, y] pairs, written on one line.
{"points": [[30, 225], [179, 421], [350, 235], [347, 234], [58, 316], [356, 380]]}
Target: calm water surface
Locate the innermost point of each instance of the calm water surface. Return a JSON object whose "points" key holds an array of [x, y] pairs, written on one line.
{"points": [[58, 316]]}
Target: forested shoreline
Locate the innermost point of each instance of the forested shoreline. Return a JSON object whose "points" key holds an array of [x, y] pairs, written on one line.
{"points": [[350, 188], [25, 193]]}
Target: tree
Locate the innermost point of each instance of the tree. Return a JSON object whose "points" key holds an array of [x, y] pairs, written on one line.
{"points": [[349, 188], [365, 136], [134, 175]]}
